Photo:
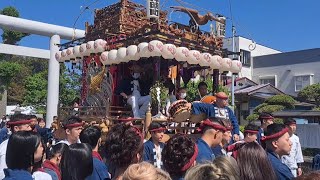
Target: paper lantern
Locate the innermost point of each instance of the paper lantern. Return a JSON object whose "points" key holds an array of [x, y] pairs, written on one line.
{"points": [[70, 54], [194, 57], [112, 56], [216, 62], [143, 50], [99, 45], [83, 50], [182, 54], [155, 48], [64, 56], [236, 66], [90, 47], [169, 50], [121, 54], [132, 53], [104, 58], [76, 52], [205, 59], [226, 64], [58, 56]]}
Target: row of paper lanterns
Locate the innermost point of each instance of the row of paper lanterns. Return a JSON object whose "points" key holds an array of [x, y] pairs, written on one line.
{"points": [[154, 48]]}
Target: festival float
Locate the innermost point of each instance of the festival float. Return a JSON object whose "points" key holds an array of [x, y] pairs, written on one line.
{"points": [[127, 33]]}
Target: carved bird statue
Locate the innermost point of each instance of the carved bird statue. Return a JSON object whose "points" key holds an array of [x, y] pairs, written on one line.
{"points": [[195, 16]]}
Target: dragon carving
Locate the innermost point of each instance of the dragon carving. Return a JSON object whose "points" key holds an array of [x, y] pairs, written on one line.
{"points": [[195, 16], [96, 81]]}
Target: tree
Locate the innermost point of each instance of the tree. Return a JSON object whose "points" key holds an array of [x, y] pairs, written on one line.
{"points": [[7, 71], [310, 93], [29, 67], [36, 91], [8, 36], [273, 104], [69, 86]]}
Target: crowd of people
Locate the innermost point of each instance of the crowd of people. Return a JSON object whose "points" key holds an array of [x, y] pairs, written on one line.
{"points": [[30, 151]]}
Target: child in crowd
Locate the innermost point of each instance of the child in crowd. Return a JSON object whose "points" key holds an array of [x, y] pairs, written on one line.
{"points": [[73, 127], [145, 171]]}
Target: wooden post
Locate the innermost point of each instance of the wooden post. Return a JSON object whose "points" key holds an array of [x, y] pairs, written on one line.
{"points": [[147, 122], [215, 81]]}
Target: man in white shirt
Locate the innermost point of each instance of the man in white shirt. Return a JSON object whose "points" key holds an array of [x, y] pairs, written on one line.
{"points": [[73, 127], [295, 158], [19, 122]]}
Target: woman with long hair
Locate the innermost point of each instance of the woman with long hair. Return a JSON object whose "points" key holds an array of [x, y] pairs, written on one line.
{"points": [[254, 163], [76, 162], [24, 151]]}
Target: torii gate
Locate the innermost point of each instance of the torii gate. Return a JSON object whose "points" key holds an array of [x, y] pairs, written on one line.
{"points": [[55, 32]]}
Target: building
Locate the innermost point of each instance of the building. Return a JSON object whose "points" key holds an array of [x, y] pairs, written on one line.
{"points": [[248, 49], [290, 72]]}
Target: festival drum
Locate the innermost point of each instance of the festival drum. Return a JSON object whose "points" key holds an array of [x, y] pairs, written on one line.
{"points": [[208, 99], [179, 111], [196, 118]]}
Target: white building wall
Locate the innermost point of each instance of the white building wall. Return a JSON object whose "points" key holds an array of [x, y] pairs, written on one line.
{"points": [[285, 75], [248, 45]]}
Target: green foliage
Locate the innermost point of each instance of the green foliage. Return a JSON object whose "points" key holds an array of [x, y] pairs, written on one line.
{"points": [[7, 71], [256, 110], [284, 100], [310, 93], [8, 36], [29, 67], [271, 108], [192, 89], [163, 94], [241, 128], [10, 11], [69, 86], [316, 109], [36, 90], [278, 120], [252, 117]]}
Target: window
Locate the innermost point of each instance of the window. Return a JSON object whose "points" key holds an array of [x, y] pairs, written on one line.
{"points": [[302, 81], [245, 57], [271, 81]]}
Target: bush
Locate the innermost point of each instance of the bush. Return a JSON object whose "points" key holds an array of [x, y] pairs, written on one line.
{"points": [[284, 100], [271, 108], [241, 128], [278, 120], [252, 117], [256, 110]]}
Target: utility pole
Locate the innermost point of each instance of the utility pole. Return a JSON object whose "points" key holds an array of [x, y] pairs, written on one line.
{"points": [[233, 56]]}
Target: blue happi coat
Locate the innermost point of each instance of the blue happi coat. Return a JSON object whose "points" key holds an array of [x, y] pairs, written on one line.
{"points": [[211, 111], [149, 152], [282, 171], [205, 153]]}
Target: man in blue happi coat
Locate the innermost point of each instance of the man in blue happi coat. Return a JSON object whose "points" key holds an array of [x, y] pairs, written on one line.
{"points": [[218, 110], [278, 144], [153, 147]]}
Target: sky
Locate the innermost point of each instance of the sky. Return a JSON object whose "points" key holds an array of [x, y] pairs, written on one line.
{"points": [[285, 25]]}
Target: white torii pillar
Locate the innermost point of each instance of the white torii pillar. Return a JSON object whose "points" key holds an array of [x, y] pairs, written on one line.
{"points": [[55, 33]]}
